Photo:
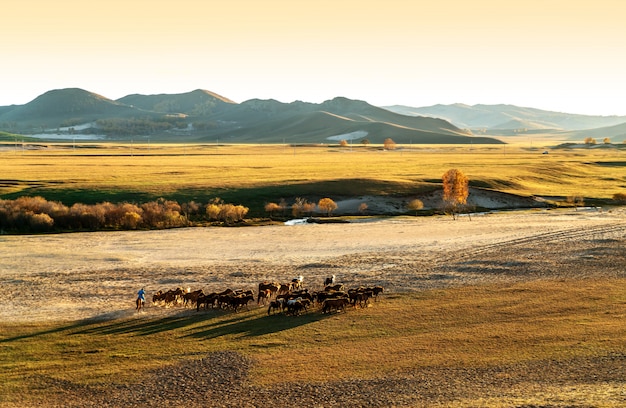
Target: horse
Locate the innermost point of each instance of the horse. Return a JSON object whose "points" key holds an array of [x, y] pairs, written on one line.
{"points": [[274, 305], [140, 303], [264, 295], [296, 283]]}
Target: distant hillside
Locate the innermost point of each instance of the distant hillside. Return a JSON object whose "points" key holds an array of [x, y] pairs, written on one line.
{"points": [[202, 116], [55, 106], [196, 103], [330, 121], [5, 109], [333, 120], [617, 134], [502, 116]]}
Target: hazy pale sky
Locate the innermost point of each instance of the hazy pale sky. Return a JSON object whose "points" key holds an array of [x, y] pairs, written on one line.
{"points": [[562, 55]]}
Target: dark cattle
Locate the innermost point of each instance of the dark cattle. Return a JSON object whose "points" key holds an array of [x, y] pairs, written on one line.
{"points": [[329, 281]]}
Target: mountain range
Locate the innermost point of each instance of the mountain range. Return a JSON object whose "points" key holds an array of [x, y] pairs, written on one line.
{"points": [[510, 119], [204, 116]]}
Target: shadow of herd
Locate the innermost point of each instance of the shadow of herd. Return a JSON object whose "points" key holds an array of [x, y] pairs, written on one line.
{"points": [[290, 298]]}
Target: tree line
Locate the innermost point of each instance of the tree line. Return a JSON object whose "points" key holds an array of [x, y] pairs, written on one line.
{"points": [[36, 214]]}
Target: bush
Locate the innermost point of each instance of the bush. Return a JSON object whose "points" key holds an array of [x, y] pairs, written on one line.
{"points": [[41, 222], [620, 197], [36, 214]]}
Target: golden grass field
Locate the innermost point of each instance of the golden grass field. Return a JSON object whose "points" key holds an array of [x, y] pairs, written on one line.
{"points": [[97, 172], [514, 309]]}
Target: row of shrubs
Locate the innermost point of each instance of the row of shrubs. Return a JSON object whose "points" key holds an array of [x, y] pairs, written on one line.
{"points": [[36, 214]]}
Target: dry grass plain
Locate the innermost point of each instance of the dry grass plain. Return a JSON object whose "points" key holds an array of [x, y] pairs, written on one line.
{"points": [[511, 309], [254, 174]]}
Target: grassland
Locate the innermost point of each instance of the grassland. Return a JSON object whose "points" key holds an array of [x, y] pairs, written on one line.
{"points": [[486, 314], [253, 175], [477, 329]]}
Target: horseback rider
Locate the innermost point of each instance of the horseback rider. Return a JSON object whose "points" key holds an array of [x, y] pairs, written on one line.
{"points": [[141, 295]]}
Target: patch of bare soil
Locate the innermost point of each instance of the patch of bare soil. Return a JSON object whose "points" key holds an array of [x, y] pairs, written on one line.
{"points": [[96, 275]]}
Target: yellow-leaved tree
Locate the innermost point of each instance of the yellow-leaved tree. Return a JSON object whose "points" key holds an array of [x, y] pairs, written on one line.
{"points": [[455, 191], [327, 205]]}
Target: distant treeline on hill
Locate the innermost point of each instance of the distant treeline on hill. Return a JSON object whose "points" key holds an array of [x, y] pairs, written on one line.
{"points": [[36, 214]]}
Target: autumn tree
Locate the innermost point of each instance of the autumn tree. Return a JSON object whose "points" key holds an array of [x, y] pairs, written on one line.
{"points": [[365, 142], [363, 208], [590, 141], [415, 205], [389, 144], [343, 143], [301, 206], [272, 207], [455, 191], [327, 205], [606, 140]]}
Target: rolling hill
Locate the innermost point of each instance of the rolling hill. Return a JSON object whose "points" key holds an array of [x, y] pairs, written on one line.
{"points": [[509, 117], [198, 102], [301, 122], [62, 105], [205, 116], [616, 133]]}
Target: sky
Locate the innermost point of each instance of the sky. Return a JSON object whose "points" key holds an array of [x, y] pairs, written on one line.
{"points": [[561, 55]]}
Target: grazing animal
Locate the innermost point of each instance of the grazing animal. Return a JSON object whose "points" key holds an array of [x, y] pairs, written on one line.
{"points": [[295, 306], [274, 305], [239, 301], [377, 290], [296, 283], [337, 287], [334, 304], [331, 294], [191, 298], [283, 288], [206, 300], [271, 286], [329, 281], [264, 295]]}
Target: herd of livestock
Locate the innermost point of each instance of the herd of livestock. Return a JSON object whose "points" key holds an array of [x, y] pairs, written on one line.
{"points": [[288, 298]]}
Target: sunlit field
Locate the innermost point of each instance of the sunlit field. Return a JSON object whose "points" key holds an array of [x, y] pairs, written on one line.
{"points": [[510, 332], [518, 309], [255, 174]]}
